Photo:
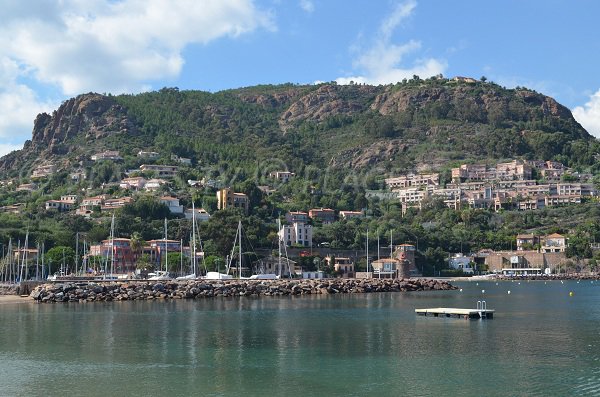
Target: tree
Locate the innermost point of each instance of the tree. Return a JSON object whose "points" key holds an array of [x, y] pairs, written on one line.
{"points": [[147, 208], [60, 257], [137, 244]]}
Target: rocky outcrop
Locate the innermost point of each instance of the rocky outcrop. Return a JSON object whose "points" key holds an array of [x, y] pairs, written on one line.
{"points": [[90, 115], [93, 292], [370, 155], [274, 99], [325, 102], [81, 119]]}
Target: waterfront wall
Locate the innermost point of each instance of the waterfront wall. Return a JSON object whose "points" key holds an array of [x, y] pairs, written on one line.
{"points": [[93, 292]]}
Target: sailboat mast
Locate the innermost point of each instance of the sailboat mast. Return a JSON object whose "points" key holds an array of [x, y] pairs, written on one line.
{"points": [[112, 246], [181, 256], [84, 260], [367, 252], [76, 252], [166, 251], [240, 250], [193, 239], [279, 245], [37, 263], [43, 261], [25, 256]]}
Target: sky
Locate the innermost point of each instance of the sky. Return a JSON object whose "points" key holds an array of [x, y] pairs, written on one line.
{"points": [[52, 50]]}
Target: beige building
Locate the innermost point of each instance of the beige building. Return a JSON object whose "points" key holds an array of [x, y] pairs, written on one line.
{"points": [[43, 171], [413, 180], [111, 155], [554, 243], [351, 214], [227, 198], [341, 264], [385, 268]]}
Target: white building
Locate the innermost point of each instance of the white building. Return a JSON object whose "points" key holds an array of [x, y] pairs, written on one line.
{"points": [[154, 184], [148, 155], [172, 203], [201, 214], [298, 233], [112, 155], [182, 160], [134, 183], [282, 176], [461, 262], [351, 214]]}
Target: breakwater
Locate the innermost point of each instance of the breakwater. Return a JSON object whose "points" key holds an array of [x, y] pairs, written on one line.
{"points": [[146, 290]]}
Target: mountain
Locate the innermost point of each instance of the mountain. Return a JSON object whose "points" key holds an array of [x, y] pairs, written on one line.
{"points": [[415, 125]]}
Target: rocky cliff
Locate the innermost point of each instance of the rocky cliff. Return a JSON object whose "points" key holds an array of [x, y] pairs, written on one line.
{"points": [[352, 126]]}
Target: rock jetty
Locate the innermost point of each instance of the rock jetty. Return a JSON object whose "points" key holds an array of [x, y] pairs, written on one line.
{"points": [[147, 290]]}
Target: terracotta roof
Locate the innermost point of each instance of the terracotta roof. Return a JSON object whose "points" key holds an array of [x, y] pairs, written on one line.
{"points": [[524, 236]]}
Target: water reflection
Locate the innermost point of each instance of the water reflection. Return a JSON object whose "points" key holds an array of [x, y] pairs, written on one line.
{"points": [[542, 342]]}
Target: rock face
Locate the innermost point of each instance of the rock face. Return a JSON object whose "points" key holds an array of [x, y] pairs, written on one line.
{"points": [[353, 126], [91, 292], [325, 102], [92, 115], [89, 117], [370, 155]]}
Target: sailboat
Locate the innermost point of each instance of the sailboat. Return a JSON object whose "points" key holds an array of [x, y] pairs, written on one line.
{"points": [[273, 276], [226, 275], [192, 275], [161, 275]]}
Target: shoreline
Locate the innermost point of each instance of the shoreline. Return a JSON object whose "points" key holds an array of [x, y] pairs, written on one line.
{"points": [[15, 299]]}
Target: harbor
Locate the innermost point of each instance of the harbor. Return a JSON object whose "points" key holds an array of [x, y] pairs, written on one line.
{"points": [[321, 344]]}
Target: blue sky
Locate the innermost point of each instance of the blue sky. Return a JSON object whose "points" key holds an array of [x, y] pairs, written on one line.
{"points": [[51, 50]]}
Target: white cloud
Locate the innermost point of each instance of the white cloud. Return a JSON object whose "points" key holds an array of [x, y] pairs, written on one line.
{"points": [[116, 46], [383, 62], [18, 106], [104, 46], [588, 115], [307, 5]]}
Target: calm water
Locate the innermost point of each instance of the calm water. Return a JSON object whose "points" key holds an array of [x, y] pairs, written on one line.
{"points": [[541, 343]]}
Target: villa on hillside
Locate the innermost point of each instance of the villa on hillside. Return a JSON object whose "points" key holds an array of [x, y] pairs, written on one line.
{"points": [[43, 171], [153, 185], [109, 155], [27, 187], [172, 203], [227, 198], [201, 214], [148, 154], [282, 176], [134, 183], [161, 171], [325, 215]]}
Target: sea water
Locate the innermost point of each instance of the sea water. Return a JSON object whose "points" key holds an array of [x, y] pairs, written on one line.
{"points": [[541, 342]]}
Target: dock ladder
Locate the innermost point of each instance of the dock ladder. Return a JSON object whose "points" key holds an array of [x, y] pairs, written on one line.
{"points": [[482, 308]]}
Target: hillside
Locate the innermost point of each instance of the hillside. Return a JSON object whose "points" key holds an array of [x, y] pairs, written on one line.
{"points": [[415, 125], [341, 142]]}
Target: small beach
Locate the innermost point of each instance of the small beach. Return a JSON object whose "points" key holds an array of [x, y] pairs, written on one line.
{"points": [[11, 299]]}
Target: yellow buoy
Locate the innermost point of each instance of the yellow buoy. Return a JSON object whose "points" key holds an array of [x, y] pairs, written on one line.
{"points": [[571, 293]]}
